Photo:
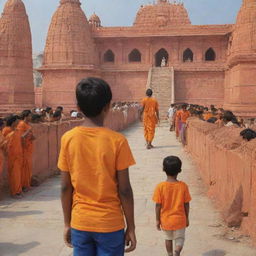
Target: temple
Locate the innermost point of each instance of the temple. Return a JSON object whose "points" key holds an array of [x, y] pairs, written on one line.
{"points": [[16, 70], [162, 50]]}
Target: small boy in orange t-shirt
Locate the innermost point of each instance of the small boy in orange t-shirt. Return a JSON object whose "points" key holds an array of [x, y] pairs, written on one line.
{"points": [[96, 190], [172, 199]]}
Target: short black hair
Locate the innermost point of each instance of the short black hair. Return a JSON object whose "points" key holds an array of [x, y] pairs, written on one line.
{"points": [[48, 109], [93, 95], [57, 114], [149, 92], [1, 122], [11, 119], [172, 165], [25, 113], [59, 108]]}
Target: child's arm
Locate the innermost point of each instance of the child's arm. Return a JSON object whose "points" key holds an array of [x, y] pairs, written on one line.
{"points": [[126, 196], [158, 221], [186, 206], [66, 200]]}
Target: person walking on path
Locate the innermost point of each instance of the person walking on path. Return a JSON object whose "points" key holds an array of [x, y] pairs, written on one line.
{"points": [[96, 190], [172, 199], [150, 113]]}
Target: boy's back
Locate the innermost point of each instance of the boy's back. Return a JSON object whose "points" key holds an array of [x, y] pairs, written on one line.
{"points": [[92, 156], [172, 196]]}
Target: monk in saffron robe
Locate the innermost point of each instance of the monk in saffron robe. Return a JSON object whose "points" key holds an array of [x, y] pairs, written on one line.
{"points": [[27, 146], [150, 112], [2, 146], [14, 156]]}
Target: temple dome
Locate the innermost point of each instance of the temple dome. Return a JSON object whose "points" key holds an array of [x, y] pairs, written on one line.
{"points": [[243, 39], [12, 6], [162, 14], [69, 40], [16, 70], [95, 20]]}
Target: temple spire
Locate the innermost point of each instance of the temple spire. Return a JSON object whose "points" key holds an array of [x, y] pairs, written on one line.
{"points": [[70, 1]]}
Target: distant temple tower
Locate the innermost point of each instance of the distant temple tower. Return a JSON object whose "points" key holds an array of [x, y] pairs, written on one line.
{"points": [[16, 69], [69, 54], [240, 90]]}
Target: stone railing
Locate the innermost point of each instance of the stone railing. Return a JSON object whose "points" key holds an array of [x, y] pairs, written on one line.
{"points": [[48, 138], [227, 165]]}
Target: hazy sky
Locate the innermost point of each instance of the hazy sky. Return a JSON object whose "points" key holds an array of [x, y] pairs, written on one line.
{"points": [[123, 12]]}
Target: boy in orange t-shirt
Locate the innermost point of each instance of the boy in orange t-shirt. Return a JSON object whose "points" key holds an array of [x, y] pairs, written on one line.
{"points": [[96, 191], [172, 199]]}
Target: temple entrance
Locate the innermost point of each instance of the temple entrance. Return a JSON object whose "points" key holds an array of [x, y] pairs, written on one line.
{"points": [[162, 53]]}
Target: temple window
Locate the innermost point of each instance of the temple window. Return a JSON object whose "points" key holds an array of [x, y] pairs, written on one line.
{"points": [[188, 56], [210, 55], [109, 56], [134, 56], [161, 55]]}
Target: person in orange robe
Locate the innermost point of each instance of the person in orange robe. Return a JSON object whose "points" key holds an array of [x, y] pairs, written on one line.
{"points": [[150, 112], [2, 146], [182, 117], [27, 145], [177, 121], [14, 156]]}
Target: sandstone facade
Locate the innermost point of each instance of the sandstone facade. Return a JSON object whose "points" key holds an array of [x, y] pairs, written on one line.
{"points": [[208, 64], [16, 71]]}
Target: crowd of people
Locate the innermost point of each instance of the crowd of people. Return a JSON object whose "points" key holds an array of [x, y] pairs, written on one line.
{"points": [[16, 141], [179, 113]]}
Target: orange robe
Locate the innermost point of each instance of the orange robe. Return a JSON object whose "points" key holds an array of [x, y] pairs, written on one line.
{"points": [[27, 155], [2, 147], [177, 123], [149, 118], [15, 161], [6, 131]]}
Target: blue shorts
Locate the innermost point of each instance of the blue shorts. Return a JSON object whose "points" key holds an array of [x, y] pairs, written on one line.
{"points": [[97, 244]]}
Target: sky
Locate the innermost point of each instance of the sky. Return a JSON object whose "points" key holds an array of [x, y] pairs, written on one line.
{"points": [[123, 12]]}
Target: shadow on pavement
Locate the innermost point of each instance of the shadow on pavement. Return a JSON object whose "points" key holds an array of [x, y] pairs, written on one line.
{"points": [[7, 214], [215, 253], [10, 249]]}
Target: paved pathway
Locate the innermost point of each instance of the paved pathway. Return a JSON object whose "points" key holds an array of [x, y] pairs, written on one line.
{"points": [[33, 226]]}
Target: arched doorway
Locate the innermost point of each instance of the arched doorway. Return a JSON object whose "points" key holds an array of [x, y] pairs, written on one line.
{"points": [[210, 55], [162, 53]]}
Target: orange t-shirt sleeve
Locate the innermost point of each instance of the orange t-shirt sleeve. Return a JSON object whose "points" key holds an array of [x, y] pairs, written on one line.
{"points": [[187, 195], [157, 196], [63, 156], [124, 157]]}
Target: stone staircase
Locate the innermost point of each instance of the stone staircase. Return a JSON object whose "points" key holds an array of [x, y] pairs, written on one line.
{"points": [[161, 81]]}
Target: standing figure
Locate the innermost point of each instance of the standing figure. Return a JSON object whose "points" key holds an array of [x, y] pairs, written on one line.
{"points": [[27, 145], [150, 112], [172, 199], [14, 156], [170, 115], [182, 117], [2, 146], [163, 62], [96, 192]]}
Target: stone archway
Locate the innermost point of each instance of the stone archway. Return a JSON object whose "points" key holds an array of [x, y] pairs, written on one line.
{"points": [[162, 53]]}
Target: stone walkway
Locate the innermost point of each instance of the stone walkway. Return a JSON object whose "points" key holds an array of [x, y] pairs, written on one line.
{"points": [[33, 226]]}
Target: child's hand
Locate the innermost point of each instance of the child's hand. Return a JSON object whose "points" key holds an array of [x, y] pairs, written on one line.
{"points": [[130, 240], [187, 222], [158, 225], [67, 237]]}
